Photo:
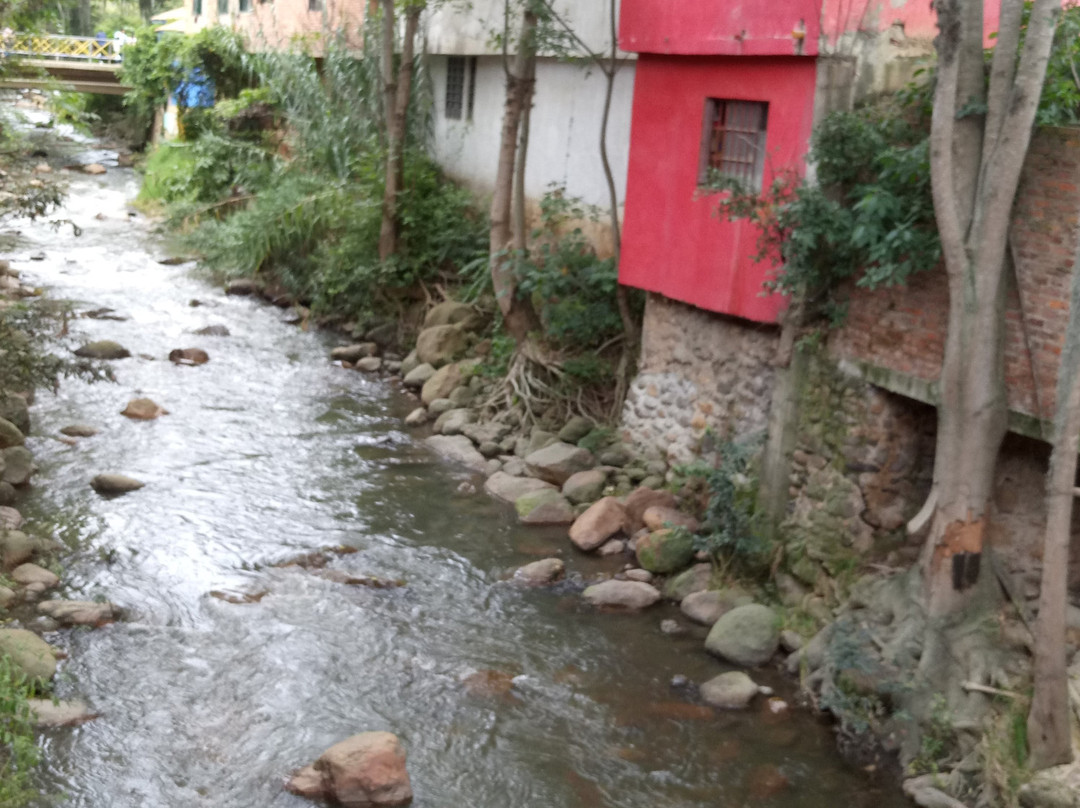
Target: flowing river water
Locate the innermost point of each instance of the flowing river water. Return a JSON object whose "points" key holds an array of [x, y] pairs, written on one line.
{"points": [[271, 452]]}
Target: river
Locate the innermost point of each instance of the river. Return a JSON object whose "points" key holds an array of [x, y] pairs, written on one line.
{"points": [[270, 452]]}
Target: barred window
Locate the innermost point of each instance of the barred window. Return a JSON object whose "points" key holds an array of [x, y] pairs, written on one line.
{"points": [[733, 142], [455, 86], [245, 5]]}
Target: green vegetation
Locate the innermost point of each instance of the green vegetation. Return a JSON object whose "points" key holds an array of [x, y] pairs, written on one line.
{"points": [[19, 753], [27, 331]]}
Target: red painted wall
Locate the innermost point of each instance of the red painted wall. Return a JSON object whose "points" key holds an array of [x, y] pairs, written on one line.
{"points": [[673, 241], [719, 27], [917, 16]]}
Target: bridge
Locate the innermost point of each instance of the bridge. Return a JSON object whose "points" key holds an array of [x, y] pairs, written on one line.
{"points": [[80, 64]]}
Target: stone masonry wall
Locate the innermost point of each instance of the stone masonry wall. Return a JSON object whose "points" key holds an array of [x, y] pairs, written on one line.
{"points": [[903, 329], [700, 372]]}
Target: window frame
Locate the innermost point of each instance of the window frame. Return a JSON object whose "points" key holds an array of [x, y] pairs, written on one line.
{"points": [[222, 7], [245, 6], [454, 96], [743, 127]]}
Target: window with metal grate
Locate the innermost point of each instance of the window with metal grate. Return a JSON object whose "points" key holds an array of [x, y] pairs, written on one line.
{"points": [[733, 142], [455, 86]]}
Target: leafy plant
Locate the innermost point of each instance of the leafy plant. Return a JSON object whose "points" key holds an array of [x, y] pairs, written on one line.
{"points": [[19, 753], [27, 332]]}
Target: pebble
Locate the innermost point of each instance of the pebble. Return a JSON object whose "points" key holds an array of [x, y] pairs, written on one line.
{"points": [[671, 627], [679, 681]]}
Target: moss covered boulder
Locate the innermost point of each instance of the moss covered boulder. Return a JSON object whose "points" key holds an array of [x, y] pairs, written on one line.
{"points": [[747, 636], [28, 652], [665, 551]]}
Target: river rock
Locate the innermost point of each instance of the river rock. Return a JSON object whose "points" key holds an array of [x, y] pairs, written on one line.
{"points": [[658, 517], [418, 376], [18, 465], [451, 312], [441, 383], [612, 547], [364, 771], [638, 574], [10, 435], [114, 484], [441, 344], [665, 551], [189, 356], [69, 713], [10, 519], [575, 429], [747, 636], [7, 597], [78, 612], [14, 408], [487, 432], [94, 169], [242, 286], [544, 507], [731, 691], [791, 641], [696, 579], [538, 439], [603, 520], [585, 486], [452, 422], [215, 330], [369, 364], [641, 499], [103, 349], [79, 431], [29, 653], [541, 572], [558, 462], [143, 409], [709, 606], [27, 574], [410, 363], [15, 548], [462, 396], [417, 417], [622, 594], [458, 449], [439, 406], [353, 353], [617, 455], [7, 493], [509, 489]]}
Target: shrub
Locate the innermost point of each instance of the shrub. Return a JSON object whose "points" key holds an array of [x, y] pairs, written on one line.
{"points": [[19, 753]]}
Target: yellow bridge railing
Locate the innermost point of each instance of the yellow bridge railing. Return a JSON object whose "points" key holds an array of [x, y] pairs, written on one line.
{"points": [[52, 46]]}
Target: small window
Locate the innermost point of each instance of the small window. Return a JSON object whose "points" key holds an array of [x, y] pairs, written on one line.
{"points": [[245, 5], [222, 6], [315, 5], [196, 8], [455, 86], [472, 88], [733, 143]]}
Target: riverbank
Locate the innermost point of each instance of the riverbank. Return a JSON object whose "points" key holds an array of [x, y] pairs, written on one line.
{"points": [[269, 455]]}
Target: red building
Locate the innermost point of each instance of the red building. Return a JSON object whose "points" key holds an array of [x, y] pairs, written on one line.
{"points": [[736, 86]]}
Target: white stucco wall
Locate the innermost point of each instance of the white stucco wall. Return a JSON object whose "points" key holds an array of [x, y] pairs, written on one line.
{"points": [[564, 136]]}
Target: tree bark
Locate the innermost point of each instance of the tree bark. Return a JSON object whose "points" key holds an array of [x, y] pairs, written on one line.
{"points": [[1049, 735], [397, 86], [518, 314], [973, 190]]}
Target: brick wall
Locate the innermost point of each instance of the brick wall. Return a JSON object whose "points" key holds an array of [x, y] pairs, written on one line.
{"points": [[903, 330]]}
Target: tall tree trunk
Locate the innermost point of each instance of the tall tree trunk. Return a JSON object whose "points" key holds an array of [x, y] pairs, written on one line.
{"points": [[974, 185], [520, 232], [397, 85], [518, 314], [1049, 736]]}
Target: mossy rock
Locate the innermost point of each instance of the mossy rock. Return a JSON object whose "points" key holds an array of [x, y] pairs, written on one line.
{"points": [[665, 551], [29, 653]]}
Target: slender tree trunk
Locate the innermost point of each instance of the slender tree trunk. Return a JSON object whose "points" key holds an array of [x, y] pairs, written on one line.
{"points": [[974, 186], [397, 86], [1049, 735], [520, 210], [518, 314]]}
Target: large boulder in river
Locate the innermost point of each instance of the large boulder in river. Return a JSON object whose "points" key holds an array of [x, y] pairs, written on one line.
{"points": [[79, 431], [696, 579], [10, 435], [78, 612], [440, 384], [418, 375], [189, 356], [452, 422], [538, 573], [18, 465], [665, 551], [602, 521], [558, 462], [641, 500], [441, 344], [114, 484], [507, 488], [353, 353], [364, 771], [451, 312], [28, 652], [143, 409], [733, 690], [14, 408], [103, 349], [709, 606], [747, 636], [15, 548], [27, 574], [585, 486], [458, 449], [622, 595]]}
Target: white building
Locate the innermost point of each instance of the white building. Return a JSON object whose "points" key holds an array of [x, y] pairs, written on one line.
{"points": [[469, 82]]}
